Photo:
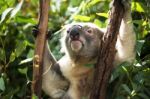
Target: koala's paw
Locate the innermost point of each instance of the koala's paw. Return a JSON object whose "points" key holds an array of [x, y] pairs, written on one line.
{"points": [[58, 93], [66, 97], [35, 30], [126, 4], [49, 34]]}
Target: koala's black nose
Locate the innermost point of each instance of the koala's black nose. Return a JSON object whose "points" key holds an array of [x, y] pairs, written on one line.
{"points": [[74, 32]]}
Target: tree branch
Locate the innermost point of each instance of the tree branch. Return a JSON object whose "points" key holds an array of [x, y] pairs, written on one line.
{"points": [[39, 48], [107, 52]]}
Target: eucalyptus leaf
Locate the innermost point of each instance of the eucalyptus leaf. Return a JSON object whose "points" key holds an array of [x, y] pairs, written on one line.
{"points": [[2, 54], [82, 18], [30, 53], [21, 46], [26, 61], [126, 88], [93, 2], [5, 13], [103, 14], [137, 6], [22, 19], [98, 22], [139, 45], [12, 57], [2, 84], [16, 9], [23, 70]]}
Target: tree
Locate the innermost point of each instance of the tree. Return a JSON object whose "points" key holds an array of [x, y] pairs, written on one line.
{"points": [[39, 48], [107, 52]]}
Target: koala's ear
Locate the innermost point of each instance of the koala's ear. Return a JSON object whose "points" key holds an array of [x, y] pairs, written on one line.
{"points": [[100, 32]]}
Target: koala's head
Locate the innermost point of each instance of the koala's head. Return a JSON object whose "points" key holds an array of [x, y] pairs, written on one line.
{"points": [[81, 41]]}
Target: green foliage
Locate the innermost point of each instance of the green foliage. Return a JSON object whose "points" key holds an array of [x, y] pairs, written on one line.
{"points": [[34, 97], [128, 81], [2, 85]]}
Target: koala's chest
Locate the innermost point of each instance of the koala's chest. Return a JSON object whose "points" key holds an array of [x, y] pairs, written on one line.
{"points": [[73, 72], [80, 78]]}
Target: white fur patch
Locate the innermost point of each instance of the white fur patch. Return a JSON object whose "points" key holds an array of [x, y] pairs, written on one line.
{"points": [[76, 45]]}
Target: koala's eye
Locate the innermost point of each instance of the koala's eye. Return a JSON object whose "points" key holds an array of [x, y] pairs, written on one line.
{"points": [[89, 31]]}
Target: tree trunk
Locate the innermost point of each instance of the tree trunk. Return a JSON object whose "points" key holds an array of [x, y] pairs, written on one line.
{"points": [[39, 48], [107, 52]]}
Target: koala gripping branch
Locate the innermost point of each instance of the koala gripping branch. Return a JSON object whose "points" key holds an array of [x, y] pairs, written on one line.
{"points": [[106, 54], [39, 48]]}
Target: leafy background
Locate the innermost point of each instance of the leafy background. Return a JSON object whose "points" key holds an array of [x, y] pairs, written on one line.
{"points": [[17, 18]]}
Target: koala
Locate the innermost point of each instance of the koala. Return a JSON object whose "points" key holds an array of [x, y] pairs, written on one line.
{"points": [[71, 76]]}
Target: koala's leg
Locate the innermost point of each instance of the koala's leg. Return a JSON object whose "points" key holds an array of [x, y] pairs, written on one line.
{"points": [[53, 83], [126, 39]]}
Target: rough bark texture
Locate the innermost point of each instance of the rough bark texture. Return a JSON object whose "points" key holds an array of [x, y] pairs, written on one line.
{"points": [[104, 65], [39, 48]]}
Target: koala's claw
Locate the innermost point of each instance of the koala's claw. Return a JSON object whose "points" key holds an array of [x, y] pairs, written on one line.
{"points": [[35, 30], [58, 93], [49, 34], [125, 3], [66, 96]]}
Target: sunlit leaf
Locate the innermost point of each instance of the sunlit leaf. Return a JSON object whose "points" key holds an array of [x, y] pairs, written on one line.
{"points": [[34, 97], [2, 84], [75, 2], [133, 93], [5, 13], [10, 2], [137, 6], [98, 23], [93, 2], [138, 64], [103, 14], [22, 19], [139, 22], [144, 23], [16, 9], [82, 18], [26, 61]]}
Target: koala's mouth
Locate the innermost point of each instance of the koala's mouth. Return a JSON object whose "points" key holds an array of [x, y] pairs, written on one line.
{"points": [[76, 45]]}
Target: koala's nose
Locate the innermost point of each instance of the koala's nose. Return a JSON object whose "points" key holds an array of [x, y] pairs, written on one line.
{"points": [[74, 32]]}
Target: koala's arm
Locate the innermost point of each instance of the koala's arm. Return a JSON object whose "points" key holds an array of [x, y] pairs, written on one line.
{"points": [[53, 83], [126, 39]]}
